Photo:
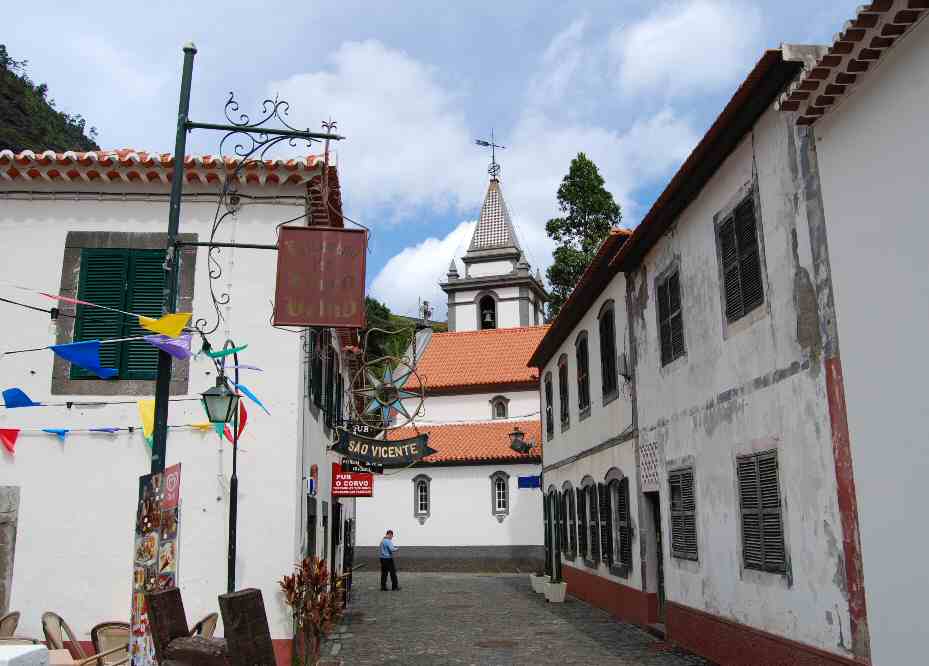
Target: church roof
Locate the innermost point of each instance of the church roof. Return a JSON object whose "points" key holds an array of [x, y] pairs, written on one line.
{"points": [[475, 360], [494, 230], [477, 442]]}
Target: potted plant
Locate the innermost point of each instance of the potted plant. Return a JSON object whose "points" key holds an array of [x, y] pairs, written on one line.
{"points": [[555, 590], [538, 581], [315, 599]]}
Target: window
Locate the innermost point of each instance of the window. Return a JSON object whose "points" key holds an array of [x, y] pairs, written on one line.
{"points": [[123, 279], [549, 409], [488, 312], [741, 261], [617, 515], [593, 520], [571, 521], [563, 522], [320, 345], [500, 495], [339, 397], [563, 391], [421, 499], [670, 321], [331, 371], [608, 349], [583, 375], [581, 497], [499, 407], [683, 514], [763, 544]]}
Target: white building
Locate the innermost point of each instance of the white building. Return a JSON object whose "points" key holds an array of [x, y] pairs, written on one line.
{"points": [[721, 475], [70, 506], [461, 508]]}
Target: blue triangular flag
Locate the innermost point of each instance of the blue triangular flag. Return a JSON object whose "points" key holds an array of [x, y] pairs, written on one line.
{"points": [[84, 355], [254, 398], [58, 432], [15, 397], [107, 430], [219, 427]]}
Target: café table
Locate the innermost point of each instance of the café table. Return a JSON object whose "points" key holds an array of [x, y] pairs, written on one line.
{"points": [[60, 658], [23, 655]]}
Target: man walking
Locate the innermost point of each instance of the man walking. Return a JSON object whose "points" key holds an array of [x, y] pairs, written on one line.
{"points": [[387, 561]]}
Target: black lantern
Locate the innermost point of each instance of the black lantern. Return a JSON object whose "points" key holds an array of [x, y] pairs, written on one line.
{"points": [[518, 442], [220, 403]]}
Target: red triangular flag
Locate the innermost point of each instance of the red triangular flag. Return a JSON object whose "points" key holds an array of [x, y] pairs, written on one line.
{"points": [[243, 419], [8, 437]]}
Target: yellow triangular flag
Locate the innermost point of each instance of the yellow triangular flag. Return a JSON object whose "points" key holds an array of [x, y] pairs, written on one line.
{"points": [[202, 427], [171, 325], [147, 414]]}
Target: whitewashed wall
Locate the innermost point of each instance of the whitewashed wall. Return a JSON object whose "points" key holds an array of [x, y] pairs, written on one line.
{"points": [[872, 151], [485, 268], [77, 513], [460, 514], [474, 407], [746, 390], [466, 309]]}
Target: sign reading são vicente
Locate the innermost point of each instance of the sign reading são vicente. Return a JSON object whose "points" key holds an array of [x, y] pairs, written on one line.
{"points": [[380, 452], [320, 277]]}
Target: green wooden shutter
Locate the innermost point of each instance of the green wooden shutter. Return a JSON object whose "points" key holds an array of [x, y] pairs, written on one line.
{"points": [[581, 497], [624, 521], [144, 296], [593, 527], [606, 523], [102, 281]]}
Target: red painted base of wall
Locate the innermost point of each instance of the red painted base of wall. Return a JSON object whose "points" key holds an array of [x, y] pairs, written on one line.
{"points": [[727, 642], [622, 602]]}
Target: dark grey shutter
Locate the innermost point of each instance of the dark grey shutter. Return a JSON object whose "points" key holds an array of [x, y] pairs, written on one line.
{"points": [[729, 254], [572, 522], [606, 523], [763, 544], [608, 351], [676, 322], [549, 409], [749, 258], [624, 526], [683, 514], [664, 324], [103, 278], [318, 345], [563, 520], [546, 520], [581, 497], [750, 501], [593, 527]]}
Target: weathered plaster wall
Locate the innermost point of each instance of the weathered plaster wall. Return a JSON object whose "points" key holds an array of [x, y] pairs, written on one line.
{"points": [[78, 499], [872, 160], [460, 511], [752, 385]]}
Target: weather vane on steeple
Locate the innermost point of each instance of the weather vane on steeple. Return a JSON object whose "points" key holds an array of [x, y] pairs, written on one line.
{"points": [[494, 169]]}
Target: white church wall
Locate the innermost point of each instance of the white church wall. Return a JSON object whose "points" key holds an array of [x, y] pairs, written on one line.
{"points": [[475, 406], [485, 268]]}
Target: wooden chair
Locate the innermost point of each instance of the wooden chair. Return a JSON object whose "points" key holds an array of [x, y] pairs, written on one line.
{"points": [[206, 627], [245, 625], [8, 624], [174, 644], [111, 643]]}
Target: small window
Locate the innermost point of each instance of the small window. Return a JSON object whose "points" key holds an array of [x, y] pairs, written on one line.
{"points": [[741, 261], [499, 407], [549, 409], [421, 498], [122, 279], [563, 391], [683, 514], [583, 374], [500, 495], [607, 327], [488, 312], [763, 544], [670, 321]]}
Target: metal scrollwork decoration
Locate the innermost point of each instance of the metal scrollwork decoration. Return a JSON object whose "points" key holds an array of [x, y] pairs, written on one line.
{"points": [[250, 142]]}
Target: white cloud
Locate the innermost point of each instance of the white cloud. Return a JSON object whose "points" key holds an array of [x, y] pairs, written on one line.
{"points": [[416, 271], [686, 47], [563, 63]]}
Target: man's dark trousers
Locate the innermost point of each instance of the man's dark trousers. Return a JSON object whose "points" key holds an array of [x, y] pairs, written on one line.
{"points": [[387, 566]]}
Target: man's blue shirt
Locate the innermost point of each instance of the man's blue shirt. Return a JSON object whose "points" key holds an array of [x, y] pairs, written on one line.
{"points": [[387, 548]]}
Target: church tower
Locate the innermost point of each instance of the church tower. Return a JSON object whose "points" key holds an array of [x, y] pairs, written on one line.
{"points": [[498, 289]]}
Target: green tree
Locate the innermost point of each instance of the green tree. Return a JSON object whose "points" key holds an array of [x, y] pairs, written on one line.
{"points": [[588, 214]]}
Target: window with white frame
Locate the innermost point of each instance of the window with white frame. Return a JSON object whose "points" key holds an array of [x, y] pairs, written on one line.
{"points": [[500, 495], [422, 500]]}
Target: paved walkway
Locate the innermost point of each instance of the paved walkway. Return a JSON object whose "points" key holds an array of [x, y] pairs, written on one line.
{"points": [[446, 618]]}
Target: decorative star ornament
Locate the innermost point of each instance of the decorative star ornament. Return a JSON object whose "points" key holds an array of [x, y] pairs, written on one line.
{"points": [[384, 396]]}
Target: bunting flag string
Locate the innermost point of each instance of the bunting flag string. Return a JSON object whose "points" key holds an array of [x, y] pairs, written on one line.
{"points": [[85, 355], [14, 398], [243, 419], [8, 438], [147, 414]]}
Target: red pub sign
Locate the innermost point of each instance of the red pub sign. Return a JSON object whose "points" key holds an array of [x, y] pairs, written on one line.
{"points": [[351, 484], [320, 277]]}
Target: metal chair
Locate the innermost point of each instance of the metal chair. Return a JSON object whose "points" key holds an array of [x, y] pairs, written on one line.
{"points": [[111, 643], [8, 624], [206, 626]]}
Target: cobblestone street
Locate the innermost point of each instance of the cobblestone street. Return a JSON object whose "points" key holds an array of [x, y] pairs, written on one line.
{"points": [[442, 618]]}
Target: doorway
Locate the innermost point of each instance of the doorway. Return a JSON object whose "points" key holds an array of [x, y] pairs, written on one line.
{"points": [[655, 559]]}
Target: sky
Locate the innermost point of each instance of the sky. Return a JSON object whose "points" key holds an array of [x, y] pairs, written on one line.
{"points": [[632, 84]]}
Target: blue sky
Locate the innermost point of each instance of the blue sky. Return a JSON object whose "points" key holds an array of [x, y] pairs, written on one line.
{"points": [[632, 84]]}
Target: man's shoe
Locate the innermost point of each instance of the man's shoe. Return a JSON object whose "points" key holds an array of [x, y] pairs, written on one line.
{"points": [[396, 589], [383, 589]]}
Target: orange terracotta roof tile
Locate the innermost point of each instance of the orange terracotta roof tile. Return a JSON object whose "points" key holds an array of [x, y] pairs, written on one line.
{"points": [[477, 442], [473, 359]]}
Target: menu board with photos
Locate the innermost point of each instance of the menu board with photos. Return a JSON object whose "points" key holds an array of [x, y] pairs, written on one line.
{"points": [[154, 554]]}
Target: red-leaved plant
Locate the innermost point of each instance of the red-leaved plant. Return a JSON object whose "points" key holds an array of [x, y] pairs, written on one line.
{"points": [[316, 603]]}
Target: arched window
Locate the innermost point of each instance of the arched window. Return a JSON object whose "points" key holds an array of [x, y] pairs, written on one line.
{"points": [[499, 407], [619, 523], [500, 495], [607, 325], [583, 373], [487, 307], [570, 521], [549, 408], [422, 501], [563, 391]]}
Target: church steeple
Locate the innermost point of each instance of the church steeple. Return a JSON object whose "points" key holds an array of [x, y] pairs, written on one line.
{"points": [[494, 230]]}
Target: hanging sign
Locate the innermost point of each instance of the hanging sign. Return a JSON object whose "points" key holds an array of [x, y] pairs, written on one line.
{"points": [[352, 466], [389, 453], [351, 484], [154, 554], [320, 277]]}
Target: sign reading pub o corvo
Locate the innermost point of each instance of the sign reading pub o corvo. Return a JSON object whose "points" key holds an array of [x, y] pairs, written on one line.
{"points": [[390, 453]]}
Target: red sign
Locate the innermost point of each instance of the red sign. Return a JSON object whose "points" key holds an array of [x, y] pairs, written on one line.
{"points": [[320, 277], [351, 484]]}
